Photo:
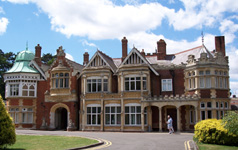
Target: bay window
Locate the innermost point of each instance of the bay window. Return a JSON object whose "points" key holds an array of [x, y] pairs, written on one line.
{"points": [[14, 89], [95, 85], [133, 114], [60, 80], [134, 83]]}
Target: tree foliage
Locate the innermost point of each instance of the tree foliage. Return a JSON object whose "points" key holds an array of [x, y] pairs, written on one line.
{"points": [[6, 62], [7, 128], [48, 58], [230, 121]]}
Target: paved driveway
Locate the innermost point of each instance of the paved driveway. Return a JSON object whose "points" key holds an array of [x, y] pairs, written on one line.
{"points": [[128, 141]]}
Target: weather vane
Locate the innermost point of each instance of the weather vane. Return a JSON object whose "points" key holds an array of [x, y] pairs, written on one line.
{"points": [[26, 45], [202, 38]]}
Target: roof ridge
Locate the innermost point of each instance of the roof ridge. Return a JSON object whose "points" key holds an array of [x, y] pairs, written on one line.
{"points": [[188, 50]]}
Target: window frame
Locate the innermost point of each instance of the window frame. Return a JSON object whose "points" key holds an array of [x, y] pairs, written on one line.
{"points": [[168, 88], [97, 114], [110, 113]]}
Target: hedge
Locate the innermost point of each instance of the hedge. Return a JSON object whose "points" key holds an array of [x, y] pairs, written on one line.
{"points": [[212, 131]]}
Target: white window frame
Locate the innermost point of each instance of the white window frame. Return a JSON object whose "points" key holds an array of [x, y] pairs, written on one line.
{"points": [[28, 113], [208, 82], [14, 90], [192, 117], [110, 113], [204, 115], [226, 105], [104, 82], [130, 81], [130, 113], [211, 105], [166, 85], [201, 82], [217, 105], [91, 114], [201, 105], [14, 112]]}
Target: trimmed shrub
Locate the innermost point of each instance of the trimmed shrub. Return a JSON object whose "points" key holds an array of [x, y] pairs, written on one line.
{"points": [[212, 131], [7, 128], [230, 122]]}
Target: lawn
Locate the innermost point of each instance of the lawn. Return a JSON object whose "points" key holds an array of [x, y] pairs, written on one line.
{"points": [[215, 147], [33, 142]]}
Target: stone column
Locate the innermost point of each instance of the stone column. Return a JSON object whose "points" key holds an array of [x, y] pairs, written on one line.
{"points": [[178, 119], [102, 115], [160, 119], [149, 113], [196, 114], [84, 116]]}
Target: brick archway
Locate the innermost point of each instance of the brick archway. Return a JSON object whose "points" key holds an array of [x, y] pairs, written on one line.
{"points": [[52, 114]]}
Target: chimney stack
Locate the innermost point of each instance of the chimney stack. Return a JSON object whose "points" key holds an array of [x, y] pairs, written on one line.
{"points": [[38, 54], [143, 52], [124, 48], [85, 58], [161, 48], [220, 44]]}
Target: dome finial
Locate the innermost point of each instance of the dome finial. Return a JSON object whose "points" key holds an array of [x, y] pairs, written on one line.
{"points": [[202, 38], [26, 45]]}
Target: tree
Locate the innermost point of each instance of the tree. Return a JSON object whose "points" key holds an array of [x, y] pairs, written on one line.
{"points": [[6, 62], [7, 128], [230, 120], [48, 58]]}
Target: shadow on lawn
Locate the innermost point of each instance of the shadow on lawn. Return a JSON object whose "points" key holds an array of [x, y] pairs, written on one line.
{"points": [[14, 149]]}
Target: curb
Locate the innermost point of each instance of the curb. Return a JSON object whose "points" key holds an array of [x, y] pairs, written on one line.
{"points": [[88, 146], [190, 145]]}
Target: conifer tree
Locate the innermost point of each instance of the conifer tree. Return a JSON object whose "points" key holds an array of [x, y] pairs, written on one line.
{"points": [[7, 128]]}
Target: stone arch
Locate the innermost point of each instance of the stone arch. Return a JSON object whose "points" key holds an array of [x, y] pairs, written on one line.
{"points": [[52, 113]]}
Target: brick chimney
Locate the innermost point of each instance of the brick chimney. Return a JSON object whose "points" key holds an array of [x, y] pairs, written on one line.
{"points": [[85, 58], [124, 48], [220, 44], [143, 52], [161, 48], [38, 54]]}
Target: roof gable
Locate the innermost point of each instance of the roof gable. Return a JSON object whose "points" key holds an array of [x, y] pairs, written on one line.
{"points": [[135, 57], [101, 59]]}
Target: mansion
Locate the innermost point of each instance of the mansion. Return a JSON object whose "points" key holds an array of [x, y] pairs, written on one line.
{"points": [[133, 93]]}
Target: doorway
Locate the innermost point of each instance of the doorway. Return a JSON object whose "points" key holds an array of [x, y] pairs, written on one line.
{"points": [[61, 118], [155, 118]]}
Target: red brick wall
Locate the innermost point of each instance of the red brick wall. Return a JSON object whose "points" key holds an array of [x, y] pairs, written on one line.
{"points": [[14, 102], [183, 120], [155, 84], [205, 93], [27, 102], [179, 82], [222, 93]]}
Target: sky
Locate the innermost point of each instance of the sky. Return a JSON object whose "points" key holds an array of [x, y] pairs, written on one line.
{"points": [[87, 25]]}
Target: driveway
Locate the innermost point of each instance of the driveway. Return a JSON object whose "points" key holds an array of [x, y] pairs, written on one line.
{"points": [[127, 140]]}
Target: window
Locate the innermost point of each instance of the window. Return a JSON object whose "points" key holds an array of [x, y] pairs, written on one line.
{"points": [[133, 114], [226, 105], [218, 114], [166, 84], [113, 114], [217, 82], [207, 72], [14, 113], [221, 105], [203, 115], [225, 83], [14, 89], [220, 83], [134, 83], [27, 115], [221, 114], [202, 105], [105, 85], [60, 80], [93, 114], [209, 114], [208, 82], [95, 85], [28, 90], [201, 73], [217, 104], [209, 104], [201, 82]]}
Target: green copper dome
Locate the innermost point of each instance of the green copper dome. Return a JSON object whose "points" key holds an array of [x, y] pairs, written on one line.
{"points": [[22, 63], [25, 56]]}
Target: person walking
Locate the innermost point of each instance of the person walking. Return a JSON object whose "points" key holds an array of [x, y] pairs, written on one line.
{"points": [[170, 124]]}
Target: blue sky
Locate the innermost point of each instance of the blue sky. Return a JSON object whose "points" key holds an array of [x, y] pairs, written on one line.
{"points": [[88, 25]]}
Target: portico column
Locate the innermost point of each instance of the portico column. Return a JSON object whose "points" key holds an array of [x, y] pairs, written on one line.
{"points": [[160, 119], [196, 114], [178, 119], [102, 115], [84, 115], [122, 115], [149, 112]]}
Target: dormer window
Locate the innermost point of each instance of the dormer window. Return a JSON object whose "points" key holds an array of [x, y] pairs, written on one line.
{"points": [[60, 80]]}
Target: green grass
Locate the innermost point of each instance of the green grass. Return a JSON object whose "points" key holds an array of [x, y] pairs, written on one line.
{"points": [[32, 142], [215, 147]]}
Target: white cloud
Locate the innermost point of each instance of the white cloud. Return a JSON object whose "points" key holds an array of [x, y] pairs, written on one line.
{"points": [[228, 28], [1, 10], [85, 42], [3, 25], [148, 41], [70, 57]]}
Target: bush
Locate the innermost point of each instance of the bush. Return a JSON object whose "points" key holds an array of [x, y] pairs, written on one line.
{"points": [[230, 122], [7, 128], [212, 131]]}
